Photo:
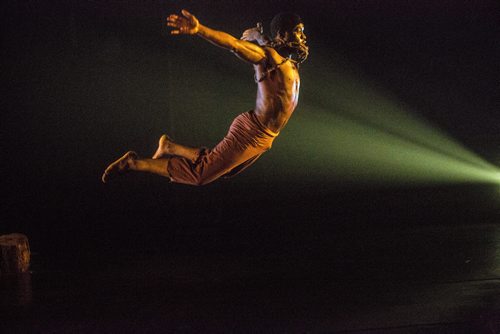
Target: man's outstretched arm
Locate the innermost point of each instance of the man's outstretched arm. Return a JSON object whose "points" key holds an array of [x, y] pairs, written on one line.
{"points": [[188, 24]]}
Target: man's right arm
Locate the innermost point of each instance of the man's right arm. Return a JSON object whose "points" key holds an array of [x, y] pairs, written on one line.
{"points": [[256, 34], [188, 24]]}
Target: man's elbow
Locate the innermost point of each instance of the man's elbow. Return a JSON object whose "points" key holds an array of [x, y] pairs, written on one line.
{"points": [[246, 54]]}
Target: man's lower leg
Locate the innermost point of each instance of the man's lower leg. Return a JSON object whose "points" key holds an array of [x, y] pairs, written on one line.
{"points": [[155, 166], [130, 161]]}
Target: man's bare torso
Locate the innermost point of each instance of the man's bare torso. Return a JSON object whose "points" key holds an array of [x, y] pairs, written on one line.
{"points": [[278, 93]]}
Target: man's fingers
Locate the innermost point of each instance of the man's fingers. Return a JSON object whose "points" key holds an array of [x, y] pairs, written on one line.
{"points": [[186, 14], [175, 22], [182, 23], [175, 19]]}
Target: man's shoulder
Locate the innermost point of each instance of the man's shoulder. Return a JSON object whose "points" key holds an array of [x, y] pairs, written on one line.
{"points": [[272, 55]]}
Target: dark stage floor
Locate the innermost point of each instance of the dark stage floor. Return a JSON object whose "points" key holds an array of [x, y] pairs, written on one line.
{"points": [[417, 279]]}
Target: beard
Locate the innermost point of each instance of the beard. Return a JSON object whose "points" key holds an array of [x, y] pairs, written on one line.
{"points": [[298, 52]]}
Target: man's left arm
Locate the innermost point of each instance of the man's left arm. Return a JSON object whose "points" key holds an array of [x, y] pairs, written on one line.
{"points": [[189, 24]]}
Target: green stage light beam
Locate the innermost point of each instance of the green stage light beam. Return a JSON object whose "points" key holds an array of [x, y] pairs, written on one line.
{"points": [[349, 150], [352, 96]]}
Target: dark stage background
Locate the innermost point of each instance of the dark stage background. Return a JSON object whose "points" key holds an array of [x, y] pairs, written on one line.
{"points": [[85, 81]]}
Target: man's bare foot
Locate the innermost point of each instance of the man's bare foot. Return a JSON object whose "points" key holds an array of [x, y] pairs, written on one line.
{"points": [[119, 166], [164, 146]]}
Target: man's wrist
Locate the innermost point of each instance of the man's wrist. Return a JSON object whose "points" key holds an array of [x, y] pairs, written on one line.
{"points": [[200, 30]]}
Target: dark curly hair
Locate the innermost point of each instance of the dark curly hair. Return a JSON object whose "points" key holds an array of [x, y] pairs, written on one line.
{"points": [[284, 22]]}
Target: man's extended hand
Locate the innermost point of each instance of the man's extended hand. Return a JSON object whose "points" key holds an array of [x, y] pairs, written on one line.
{"points": [[187, 24], [255, 34]]}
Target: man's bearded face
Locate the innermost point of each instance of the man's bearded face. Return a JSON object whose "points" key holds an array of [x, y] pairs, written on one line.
{"points": [[298, 35], [295, 44]]}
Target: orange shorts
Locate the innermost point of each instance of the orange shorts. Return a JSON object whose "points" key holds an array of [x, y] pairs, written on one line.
{"points": [[244, 143]]}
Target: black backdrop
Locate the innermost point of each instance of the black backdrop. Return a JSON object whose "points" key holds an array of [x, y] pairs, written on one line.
{"points": [[86, 80]]}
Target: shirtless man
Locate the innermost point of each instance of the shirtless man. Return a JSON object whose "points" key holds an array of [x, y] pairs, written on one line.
{"points": [[276, 63]]}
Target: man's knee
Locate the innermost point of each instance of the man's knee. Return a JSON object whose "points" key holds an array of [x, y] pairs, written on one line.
{"points": [[201, 181]]}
